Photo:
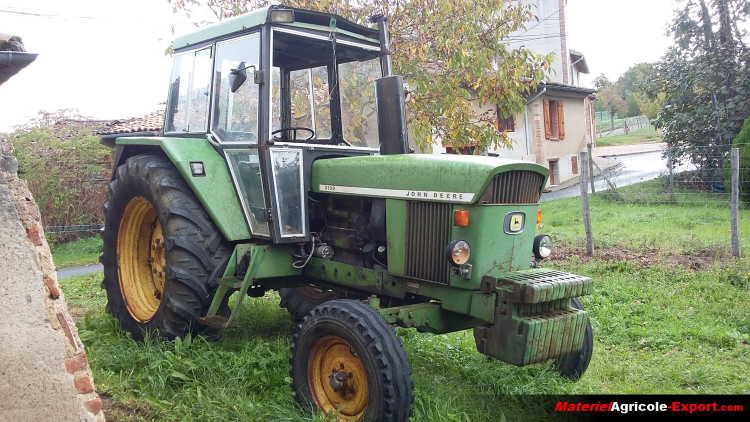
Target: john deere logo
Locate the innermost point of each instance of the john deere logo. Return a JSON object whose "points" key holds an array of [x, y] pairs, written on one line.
{"points": [[514, 222]]}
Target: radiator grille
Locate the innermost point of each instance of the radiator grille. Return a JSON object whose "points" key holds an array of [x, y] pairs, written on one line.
{"points": [[428, 230], [514, 187]]}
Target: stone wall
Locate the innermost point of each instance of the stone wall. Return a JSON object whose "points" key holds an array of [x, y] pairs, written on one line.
{"points": [[44, 375]]}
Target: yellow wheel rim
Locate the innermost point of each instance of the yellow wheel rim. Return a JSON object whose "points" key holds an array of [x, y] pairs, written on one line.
{"points": [[338, 379], [141, 259]]}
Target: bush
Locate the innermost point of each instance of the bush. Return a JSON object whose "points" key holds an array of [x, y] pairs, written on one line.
{"points": [[66, 169], [742, 141]]}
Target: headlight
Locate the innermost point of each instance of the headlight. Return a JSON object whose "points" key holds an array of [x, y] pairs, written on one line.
{"points": [[542, 246], [459, 252]]}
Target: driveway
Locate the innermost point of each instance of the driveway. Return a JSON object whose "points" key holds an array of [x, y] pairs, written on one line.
{"points": [[635, 168]]}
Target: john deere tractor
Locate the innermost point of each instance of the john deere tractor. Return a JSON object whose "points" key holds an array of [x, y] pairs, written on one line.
{"points": [[284, 164]]}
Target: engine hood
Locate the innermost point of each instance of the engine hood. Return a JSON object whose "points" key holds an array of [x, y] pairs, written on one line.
{"points": [[426, 177]]}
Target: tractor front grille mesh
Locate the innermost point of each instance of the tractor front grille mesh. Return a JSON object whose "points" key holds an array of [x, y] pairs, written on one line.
{"points": [[428, 230], [514, 187]]}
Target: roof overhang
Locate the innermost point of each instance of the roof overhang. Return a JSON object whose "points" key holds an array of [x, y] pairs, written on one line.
{"points": [[579, 61], [11, 62], [568, 90]]}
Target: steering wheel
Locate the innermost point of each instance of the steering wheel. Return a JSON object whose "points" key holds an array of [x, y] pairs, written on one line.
{"points": [[294, 130]]}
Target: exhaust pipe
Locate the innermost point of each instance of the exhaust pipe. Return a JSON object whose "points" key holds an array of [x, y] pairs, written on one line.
{"points": [[389, 91]]}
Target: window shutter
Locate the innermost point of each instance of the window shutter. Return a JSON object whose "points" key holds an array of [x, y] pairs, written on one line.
{"points": [[560, 120], [547, 122]]}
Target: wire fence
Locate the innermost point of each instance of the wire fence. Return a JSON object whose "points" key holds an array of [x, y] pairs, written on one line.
{"points": [[695, 207], [75, 228]]}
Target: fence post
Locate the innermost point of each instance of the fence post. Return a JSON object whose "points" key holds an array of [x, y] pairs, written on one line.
{"points": [[592, 177], [736, 202], [585, 203]]}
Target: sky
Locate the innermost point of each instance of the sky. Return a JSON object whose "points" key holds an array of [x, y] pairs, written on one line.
{"points": [[106, 58]]}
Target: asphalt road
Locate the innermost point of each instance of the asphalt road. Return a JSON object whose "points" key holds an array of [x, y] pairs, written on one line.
{"points": [[76, 271], [636, 168]]}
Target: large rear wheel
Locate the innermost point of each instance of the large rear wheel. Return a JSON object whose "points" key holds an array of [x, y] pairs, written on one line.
{"points": [[162, 253]]}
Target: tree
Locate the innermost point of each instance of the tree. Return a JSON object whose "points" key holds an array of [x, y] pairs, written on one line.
{"points": [[452, 53], [742, 141], [610, 99], [637, 87], [706, 80]]}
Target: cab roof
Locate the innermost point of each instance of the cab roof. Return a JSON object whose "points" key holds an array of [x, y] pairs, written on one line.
{"points": [[305, 19]]}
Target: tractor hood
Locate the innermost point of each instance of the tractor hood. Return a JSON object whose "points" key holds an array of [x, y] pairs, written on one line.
{"points": [[427, 177]]}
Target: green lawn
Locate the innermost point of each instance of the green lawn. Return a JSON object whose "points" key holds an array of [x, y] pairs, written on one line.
{"points": [[634, 137], [644, 216], [659, 327], [84, 251]]}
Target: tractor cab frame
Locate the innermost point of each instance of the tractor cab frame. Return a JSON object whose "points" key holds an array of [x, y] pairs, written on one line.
{"points": [[275, 96]]}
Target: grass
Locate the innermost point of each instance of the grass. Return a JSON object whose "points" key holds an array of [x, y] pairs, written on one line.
{"points": [[658, 328], [634, 137], [606, 125], [84, 251], [645, 216]]}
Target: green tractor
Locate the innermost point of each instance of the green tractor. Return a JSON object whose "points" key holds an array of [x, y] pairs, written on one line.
{"points": [[284, 165]]}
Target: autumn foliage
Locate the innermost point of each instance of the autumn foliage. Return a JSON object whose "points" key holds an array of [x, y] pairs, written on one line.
{"points": [[454, 55]]}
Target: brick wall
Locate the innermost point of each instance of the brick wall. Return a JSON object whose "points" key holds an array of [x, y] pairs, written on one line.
{"points": [[75, 362]]}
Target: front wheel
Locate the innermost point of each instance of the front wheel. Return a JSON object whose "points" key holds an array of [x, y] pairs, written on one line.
{"points": [[301, 300], [573, 365], [348, 361]]}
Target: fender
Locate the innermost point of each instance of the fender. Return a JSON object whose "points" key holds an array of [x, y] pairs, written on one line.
{"points": [[215, 190]]}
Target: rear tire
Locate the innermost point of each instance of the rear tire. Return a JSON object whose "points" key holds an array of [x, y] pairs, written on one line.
{"points": [[162, 253], [347, 358], [573, 365]]}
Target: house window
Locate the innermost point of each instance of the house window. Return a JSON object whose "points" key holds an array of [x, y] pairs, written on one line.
{"points": [[574, 164], [554, 172], [505, 124], [554, 120]]}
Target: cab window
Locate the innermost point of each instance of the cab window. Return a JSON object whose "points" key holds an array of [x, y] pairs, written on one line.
{"points": [[187, 109], [235, 116]]}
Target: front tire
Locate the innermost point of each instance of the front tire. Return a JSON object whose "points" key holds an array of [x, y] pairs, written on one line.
{"points": [[346, 359], [301, 300], [162, 253]]}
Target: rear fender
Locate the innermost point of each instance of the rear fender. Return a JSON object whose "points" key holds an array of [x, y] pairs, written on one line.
{"points": [[215, 190]]}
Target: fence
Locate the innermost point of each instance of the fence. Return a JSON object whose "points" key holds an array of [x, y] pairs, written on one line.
{"points": [[691, 210], [610, 127]]}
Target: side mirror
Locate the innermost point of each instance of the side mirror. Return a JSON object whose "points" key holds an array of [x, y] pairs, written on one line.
{"points": [[238, 76]]}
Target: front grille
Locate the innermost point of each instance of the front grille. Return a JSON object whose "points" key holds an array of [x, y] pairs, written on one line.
{"points": [[514, 187], [428, 230]]}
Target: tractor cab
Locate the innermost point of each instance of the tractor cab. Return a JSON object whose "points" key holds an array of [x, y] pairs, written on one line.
{"points": [[288, 87]]}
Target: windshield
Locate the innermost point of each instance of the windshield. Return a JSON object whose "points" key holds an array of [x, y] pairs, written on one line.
{"points": [[359, 110], [310, 104]]}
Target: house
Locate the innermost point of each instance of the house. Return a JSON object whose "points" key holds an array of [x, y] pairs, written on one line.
{"points": [[557, 121]]}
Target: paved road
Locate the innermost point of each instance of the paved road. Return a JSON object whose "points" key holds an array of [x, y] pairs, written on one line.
{"points": [[76, 271], [636, 168]]}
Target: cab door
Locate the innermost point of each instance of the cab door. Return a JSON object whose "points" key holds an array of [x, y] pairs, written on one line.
{"points": [[235, 124]]}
